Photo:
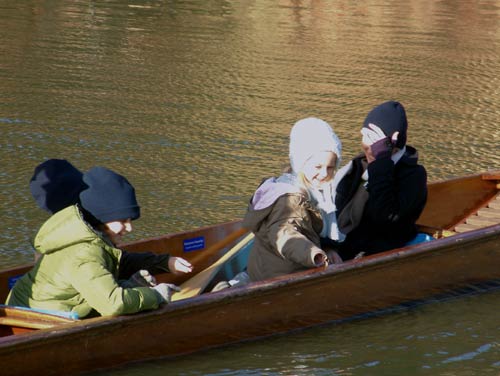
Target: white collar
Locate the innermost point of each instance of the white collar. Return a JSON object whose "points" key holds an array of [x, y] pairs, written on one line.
{"points": [[397, 156]]}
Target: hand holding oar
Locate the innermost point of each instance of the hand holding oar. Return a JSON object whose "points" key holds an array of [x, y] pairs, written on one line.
{"points": [[199, 282]]}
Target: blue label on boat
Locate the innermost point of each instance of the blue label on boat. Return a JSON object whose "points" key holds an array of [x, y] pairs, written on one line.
{"points": [[194, 244], [12, 281]]}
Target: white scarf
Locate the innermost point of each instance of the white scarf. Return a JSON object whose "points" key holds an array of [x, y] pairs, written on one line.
{"points": [[324, 200]]}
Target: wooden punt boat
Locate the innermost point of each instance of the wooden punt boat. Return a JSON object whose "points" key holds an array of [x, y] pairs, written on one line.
{"points": [[463, 214]]}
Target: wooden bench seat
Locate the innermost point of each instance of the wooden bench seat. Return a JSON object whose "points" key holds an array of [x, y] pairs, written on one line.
{"points": [[16, 320]]}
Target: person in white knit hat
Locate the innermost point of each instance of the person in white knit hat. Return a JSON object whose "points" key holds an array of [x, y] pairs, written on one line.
{"points": [[309, 136], [290, 215]]}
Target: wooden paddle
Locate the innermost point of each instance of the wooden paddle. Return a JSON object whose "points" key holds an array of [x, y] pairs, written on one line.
{"points": [[194, 286]]}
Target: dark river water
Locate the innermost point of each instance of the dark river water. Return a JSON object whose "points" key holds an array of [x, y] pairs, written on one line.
{"points": [[193, 100]]}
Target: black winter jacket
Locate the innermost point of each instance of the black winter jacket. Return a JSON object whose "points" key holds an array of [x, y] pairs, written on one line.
{"points": [[387, 206]]}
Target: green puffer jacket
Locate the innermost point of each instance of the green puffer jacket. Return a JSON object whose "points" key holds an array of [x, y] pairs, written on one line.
{"points": [[77, 272]]}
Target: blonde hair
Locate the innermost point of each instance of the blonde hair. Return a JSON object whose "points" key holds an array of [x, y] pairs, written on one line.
{"points": [[304, 183]]}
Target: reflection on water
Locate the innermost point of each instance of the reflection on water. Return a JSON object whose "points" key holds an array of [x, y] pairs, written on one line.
{"points": [[193, 100], [407, 343]]}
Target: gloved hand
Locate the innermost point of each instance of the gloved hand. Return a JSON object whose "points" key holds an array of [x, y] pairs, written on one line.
{"points": [[142, 278], [380, 145], [165, 291], [178, 265]]}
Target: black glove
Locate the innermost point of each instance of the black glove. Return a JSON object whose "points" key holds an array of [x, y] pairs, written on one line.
{"points": [[142, 278]]}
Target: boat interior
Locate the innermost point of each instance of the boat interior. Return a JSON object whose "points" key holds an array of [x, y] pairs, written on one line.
{"points": [[487, 215], [469, 205]]}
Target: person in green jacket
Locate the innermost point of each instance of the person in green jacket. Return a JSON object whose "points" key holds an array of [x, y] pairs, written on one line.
{"points": [[79, 264], [57, 184]]}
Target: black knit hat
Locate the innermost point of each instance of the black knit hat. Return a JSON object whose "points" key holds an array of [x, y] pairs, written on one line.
{"points": [[390, 117], [109, 196], [56, 184]]}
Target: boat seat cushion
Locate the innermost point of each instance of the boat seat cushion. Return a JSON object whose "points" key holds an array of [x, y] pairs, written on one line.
{"points": [[420, 238]]}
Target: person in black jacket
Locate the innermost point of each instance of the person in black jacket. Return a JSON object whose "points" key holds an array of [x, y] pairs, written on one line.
{"points": [[380, 193]]}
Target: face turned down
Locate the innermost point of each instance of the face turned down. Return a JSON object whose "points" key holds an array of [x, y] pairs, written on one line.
{"points": [[115, 230]]}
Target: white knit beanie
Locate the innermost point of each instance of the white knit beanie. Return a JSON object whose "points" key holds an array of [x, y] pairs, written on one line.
{"points": [[309, 136]]}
